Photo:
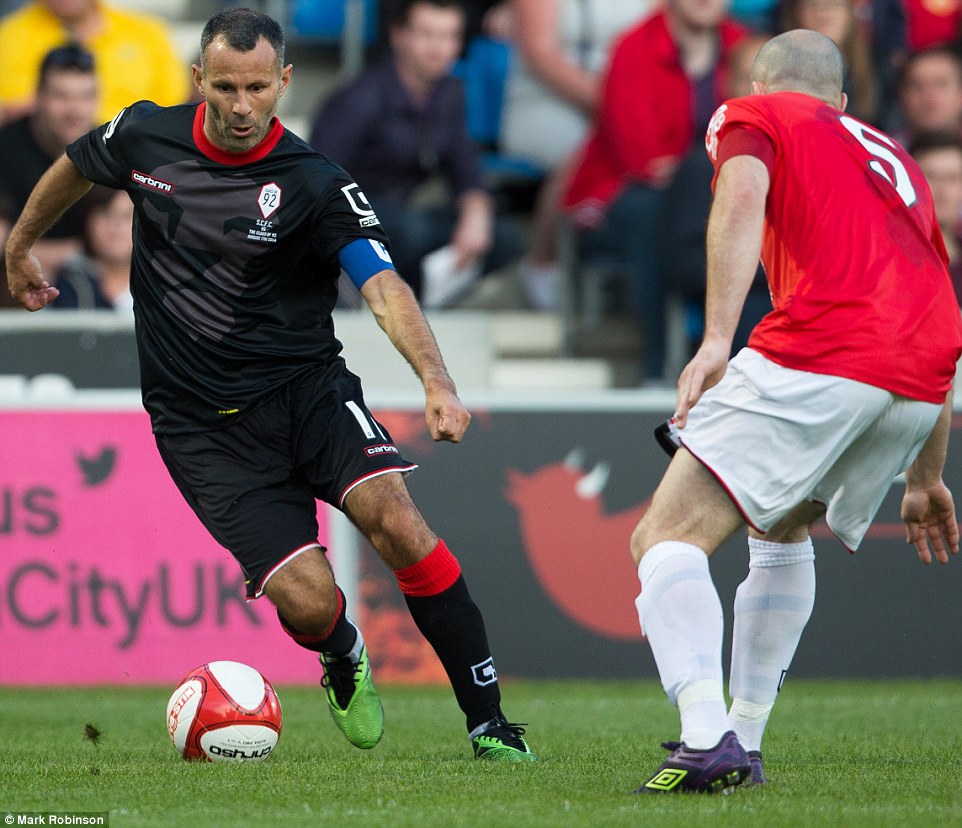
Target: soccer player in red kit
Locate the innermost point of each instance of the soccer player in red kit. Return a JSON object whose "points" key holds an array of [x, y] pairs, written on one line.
{"points": [[844, 385]]}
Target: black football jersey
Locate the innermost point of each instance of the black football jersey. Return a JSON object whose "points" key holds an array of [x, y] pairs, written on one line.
{"points": [[235, 262]]}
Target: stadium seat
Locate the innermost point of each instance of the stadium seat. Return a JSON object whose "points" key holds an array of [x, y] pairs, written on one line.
{"points": [[327, 19], [587, 277], [349, 24], [484, 70]]}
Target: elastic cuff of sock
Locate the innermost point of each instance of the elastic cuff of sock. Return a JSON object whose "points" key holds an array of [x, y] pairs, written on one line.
{"points": [[661, 552], [743, 710], [430, 576], [763, 553]]}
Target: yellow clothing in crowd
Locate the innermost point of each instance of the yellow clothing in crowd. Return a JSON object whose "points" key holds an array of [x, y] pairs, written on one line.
{"points": [[135, 56]]}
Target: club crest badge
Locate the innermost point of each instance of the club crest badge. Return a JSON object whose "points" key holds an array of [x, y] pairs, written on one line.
{"points": [[269, 199]]}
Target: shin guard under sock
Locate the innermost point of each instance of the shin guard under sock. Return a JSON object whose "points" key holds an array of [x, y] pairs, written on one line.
{"points": [[441, 606]]}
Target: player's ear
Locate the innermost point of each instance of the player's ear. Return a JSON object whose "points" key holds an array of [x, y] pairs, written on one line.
{"points": [[844, 102], [286, 77], [197, 77]]}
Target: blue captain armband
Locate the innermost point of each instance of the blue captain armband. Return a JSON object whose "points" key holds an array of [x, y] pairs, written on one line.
{"points": [[362, 258]]}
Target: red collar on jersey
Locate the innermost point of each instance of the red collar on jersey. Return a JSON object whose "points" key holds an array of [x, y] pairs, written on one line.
{"points": [[234, 158]]}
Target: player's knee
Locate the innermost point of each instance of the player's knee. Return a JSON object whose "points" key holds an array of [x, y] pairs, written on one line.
{"points": [[402, 538], [311, 614], [304, 593], [640, 541]]}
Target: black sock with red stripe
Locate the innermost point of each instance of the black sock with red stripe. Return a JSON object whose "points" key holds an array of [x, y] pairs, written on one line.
{"points": [[339, 638], [442, 608]]}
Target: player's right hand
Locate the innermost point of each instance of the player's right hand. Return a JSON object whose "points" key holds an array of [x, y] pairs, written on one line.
{"points": [[26, 282], [706, 369]]}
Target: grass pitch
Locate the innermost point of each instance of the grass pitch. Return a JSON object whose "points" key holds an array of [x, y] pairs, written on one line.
{"points": [[837, 754]]}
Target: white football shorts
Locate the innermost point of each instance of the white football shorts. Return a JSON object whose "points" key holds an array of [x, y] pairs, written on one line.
{"points": [[775, 437]]}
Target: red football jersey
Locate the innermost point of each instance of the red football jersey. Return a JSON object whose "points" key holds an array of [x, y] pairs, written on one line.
{"points": [[854, 256]]}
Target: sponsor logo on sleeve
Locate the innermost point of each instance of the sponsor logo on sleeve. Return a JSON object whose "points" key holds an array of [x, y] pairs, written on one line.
{"points": [[360, 205], [151, 183], [384, 448]]}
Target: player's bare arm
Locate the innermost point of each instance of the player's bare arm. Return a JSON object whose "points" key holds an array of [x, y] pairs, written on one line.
{"points": [[734, 245], [927, 508], [57, 190], [397, 312]]}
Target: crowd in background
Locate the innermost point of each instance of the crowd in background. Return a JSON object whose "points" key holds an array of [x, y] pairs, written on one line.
{"points": [[600, 108]]}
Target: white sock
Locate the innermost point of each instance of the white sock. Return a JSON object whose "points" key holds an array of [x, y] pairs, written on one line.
{"points": [[772, 607], [681, 615], [355, 654]]}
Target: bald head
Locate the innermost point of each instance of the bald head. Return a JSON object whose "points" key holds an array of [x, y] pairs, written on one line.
{"points": [[801, 61]]}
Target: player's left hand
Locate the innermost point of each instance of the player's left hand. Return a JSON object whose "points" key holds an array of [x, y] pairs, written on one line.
{"points": [[446, 416], [929, 516]]}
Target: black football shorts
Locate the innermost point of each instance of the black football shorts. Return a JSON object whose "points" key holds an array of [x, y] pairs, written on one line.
{"points": [[254, 483]]}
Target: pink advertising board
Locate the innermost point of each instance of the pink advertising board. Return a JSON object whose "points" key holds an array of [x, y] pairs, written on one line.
{"points": [[106, 576]]}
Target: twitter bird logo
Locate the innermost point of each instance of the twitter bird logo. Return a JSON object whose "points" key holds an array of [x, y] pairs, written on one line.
{"points": [[98, 468]]}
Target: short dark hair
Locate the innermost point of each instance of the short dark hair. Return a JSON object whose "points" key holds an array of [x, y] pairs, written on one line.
{"points": [[401, 13], [71, 57], [95, 201], [934, 141], [242, 28]]}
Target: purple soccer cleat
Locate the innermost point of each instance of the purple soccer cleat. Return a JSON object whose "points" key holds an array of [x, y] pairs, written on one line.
{"points": [[718, 769], [757, 776]]}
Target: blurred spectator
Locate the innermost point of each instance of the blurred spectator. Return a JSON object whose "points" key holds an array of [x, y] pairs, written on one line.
{"points": [[551, 93], [401, 129], [836, 20], [481, 17], [930, 94], [134, 53], [940, 156], [665, 80], [66, 105], [688, 202], [7, 217], [931, 22], [884, 21], [99, 277]]}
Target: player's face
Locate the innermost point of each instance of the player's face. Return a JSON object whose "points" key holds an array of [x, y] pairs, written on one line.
{"points": [[698, 14], [740, 62], [109, 230], [832, 18], [242, 90], [70, 10], [931, 94], [66, 106], [430, 42], [943, 170]]}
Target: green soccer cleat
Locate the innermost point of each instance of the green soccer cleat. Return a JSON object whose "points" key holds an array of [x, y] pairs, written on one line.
{"points": [[501, 741], [352, 699]]}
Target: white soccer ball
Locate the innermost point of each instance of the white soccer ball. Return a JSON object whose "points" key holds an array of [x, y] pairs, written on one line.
{"points": [[224, 711]]}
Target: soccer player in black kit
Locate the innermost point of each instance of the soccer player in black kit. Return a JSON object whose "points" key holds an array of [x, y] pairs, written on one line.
{"points": [[240, 233]]}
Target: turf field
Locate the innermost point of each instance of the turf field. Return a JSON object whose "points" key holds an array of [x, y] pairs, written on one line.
{"points": [[837, 754]]}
